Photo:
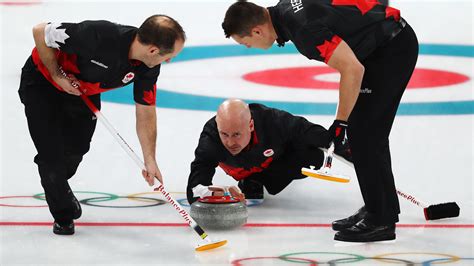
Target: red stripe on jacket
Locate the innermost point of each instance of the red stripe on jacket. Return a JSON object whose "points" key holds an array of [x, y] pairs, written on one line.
{"points": [[239, 173]]}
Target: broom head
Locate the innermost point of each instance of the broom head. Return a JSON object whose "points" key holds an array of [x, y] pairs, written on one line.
{"points": [[325, 173], [440, 211]]}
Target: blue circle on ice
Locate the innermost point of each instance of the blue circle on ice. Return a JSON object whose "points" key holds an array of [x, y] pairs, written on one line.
{"points": [[185, 101]]}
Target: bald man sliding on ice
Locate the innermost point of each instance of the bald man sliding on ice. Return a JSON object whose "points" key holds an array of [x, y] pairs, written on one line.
{"points": [[257, 146]]}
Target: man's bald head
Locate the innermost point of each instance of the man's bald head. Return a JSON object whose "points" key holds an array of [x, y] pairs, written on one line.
{"points": [[235, 125], [233, 110], [161, 31]]}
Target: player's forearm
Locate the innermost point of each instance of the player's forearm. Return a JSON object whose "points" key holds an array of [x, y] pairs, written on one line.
{"points": [[348, 92], [352, 71], [146, 130], [198, 181], [46, 54]]}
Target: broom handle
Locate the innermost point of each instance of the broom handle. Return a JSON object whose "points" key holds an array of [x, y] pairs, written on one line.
{"points": [[328, 159], [192, 223], [411, 199]]}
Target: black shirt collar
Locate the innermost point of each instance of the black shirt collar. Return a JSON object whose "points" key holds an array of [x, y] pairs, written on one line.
{"points": [[127, 36], [279, 29]]}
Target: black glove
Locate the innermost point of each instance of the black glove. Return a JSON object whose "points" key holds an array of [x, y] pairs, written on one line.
{"points": [[337, 132], [338, 135]]}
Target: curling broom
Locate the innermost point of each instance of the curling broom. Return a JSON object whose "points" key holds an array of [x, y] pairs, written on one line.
{"points": [[325, 171], [207, 242], [431, 212]]}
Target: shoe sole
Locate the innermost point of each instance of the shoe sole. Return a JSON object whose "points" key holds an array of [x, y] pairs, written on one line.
{"points": [[253, 202], [63, 233], [373, 239], [57, 231]]}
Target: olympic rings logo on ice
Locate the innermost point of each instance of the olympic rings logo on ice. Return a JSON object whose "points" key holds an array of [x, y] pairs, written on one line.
{"points": [[339, 258], [101, 199]]}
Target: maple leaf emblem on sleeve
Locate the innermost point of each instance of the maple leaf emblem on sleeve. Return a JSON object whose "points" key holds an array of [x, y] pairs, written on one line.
{"points": [[54, 35]]}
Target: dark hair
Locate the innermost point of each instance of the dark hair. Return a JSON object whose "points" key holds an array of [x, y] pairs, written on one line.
{"points": [[161, 31], [241, 17]]}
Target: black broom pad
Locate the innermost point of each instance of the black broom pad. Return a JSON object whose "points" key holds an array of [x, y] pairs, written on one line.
{"points": [[443, 210]]}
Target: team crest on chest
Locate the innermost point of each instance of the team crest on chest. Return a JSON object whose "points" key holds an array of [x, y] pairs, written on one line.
{"points": [[128, 77], [268, 153]]}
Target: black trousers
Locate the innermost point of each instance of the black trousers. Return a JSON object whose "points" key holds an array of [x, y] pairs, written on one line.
{"points": [[302, 153], [387, 72], [61, 127]]}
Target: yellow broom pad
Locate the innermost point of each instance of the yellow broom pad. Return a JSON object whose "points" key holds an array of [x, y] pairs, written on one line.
{"points": [[324, 175], [211, 245]]}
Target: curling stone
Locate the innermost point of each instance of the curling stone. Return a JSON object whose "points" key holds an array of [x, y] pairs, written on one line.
{"points": [[219, 212]]}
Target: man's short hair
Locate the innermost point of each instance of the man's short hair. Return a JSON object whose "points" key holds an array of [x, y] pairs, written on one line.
{"points": [[242, 17], [161, 31]]}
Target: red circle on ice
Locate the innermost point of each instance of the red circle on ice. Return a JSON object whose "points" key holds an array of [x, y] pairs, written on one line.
{"points": [[323, 77]]}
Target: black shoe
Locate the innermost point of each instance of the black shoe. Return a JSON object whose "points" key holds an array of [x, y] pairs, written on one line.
{"points": [[349, 221], [365, 231], [77, 208], [63, 228], [252, 189]]}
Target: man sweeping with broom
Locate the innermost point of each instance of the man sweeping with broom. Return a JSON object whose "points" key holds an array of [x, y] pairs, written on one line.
{"points": [[90, 57]]}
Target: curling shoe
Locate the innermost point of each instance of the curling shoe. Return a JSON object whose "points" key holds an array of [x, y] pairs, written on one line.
{"points": [[76, 205], [349, 221], [366, 231], [77, 208], [63, 228]]}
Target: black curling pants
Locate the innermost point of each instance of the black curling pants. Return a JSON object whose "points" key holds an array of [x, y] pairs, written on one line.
{"points": [[61, 127], [387, 72]]}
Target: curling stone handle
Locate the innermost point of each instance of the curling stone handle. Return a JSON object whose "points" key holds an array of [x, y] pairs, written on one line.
{"points": [[226, 191]]}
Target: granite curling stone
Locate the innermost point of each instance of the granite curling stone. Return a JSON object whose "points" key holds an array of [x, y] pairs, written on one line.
{"points": [[219, 212]]}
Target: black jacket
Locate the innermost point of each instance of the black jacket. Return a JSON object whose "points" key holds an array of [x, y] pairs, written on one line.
{"points": [[276, 132], [316, 27], [96, 52]]}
